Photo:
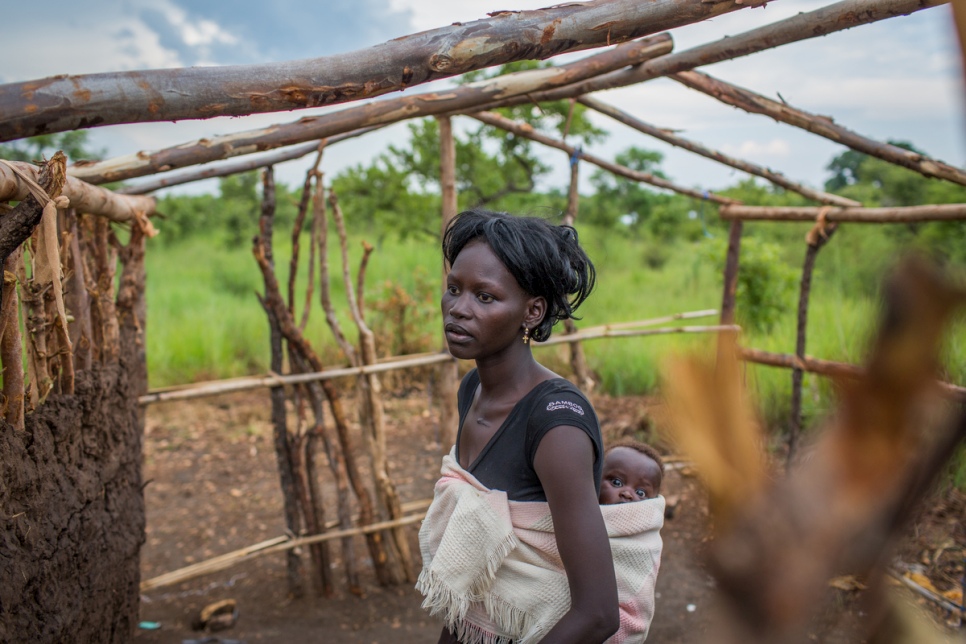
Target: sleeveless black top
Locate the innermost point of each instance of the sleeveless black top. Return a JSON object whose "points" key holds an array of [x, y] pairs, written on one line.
{"points": [[506, 462]]}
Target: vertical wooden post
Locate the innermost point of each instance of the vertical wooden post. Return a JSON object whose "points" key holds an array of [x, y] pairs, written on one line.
{"points": [[578, 362], [283, 448], [76, 297], [11, 343], [448, 371], [731, 272], [817, 238]]}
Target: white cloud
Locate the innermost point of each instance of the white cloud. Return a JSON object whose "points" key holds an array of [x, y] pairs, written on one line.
{"points": [[771, 149]]}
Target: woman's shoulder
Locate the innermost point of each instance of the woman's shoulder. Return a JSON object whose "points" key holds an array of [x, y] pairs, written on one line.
{"points": [[561, 399]]}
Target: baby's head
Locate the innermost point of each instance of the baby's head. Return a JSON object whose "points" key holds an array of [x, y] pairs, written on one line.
{"points": [[633, 471]]}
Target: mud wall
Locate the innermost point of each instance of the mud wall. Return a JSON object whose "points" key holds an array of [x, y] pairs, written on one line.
{"points": [[72, 520]]}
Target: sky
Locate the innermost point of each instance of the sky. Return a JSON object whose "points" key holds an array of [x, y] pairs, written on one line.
{"points": [[896, 79]]}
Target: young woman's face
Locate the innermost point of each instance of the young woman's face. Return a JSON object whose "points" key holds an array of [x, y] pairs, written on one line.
{"points": [[629, 476], [484, 308]]}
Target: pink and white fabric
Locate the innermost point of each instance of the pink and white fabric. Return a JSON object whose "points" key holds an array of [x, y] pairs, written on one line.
{"points": [[492, 572]]}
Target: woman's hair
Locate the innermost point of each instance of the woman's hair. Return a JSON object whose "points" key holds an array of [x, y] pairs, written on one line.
{"points": [[545, 259]]}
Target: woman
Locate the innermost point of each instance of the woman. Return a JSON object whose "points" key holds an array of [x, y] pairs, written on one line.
{"points": [[523, 430]]}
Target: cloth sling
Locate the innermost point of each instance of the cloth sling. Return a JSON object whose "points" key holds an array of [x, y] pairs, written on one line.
{"points": [[492, 571]]}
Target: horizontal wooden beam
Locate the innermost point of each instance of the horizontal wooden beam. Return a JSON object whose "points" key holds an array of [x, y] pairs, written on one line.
{"points": [[896, 215], [373, 113], [527, 131], [61, 103], [275, 380], [828, 368], [821, 22], [84, 197], [664, 135], [835, 17], [821, 125], [234, 167]]}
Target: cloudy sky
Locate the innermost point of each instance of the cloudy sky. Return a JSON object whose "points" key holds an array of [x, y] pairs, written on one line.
{"points": [[896, 79]]}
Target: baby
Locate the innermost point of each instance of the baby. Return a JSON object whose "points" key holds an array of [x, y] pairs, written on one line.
{"points": [[633, 471]]}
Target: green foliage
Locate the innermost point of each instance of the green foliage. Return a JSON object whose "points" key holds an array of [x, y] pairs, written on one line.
{"points": [[877, 183], [766, 283], [381, 197], [403, 317], [754, 191], [73, 144]]}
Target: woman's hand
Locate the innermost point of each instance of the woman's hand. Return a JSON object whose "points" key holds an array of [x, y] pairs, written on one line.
{"points": [[565, 464]]}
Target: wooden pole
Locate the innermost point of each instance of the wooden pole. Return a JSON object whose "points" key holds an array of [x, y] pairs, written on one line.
{"points": [[377, 113], [820, 125], [836, 17], [448, 371], [244, 384], [77, 299], [731, 273], [284, 453], [821, 22], [62, 103], [278, 544], [594, 334], [375, 424], [527, 131], [665, 135], [242, 165], [830, 368], [83, 196], [11, 343], [817, 238], [578, 361], [895, 215]]}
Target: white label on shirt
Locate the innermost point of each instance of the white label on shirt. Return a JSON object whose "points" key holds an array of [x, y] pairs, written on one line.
{"points": [[565, 404]]}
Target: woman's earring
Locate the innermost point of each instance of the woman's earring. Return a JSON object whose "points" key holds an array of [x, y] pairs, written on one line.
{"points": [[526, 335]]}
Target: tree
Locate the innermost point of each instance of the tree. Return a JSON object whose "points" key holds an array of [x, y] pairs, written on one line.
{"points": [[400, 189], [877, 183]]}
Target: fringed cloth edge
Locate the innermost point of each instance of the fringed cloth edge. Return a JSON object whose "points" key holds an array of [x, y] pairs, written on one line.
{"points": [[492, 572]]}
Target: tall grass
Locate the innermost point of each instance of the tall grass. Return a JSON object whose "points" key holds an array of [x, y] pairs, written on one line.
{"points": [[205, 322]]}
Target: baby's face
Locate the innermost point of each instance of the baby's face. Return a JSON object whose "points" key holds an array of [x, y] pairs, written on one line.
{"points": [[629, 476]]}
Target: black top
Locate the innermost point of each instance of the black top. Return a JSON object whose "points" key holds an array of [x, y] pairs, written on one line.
{"points": [[506, 462]]}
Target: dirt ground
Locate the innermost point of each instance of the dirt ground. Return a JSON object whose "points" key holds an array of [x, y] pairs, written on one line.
{"points": [[212, 487]]}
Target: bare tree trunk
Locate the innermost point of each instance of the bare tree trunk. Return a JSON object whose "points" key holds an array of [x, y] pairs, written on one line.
{"points": [[818, 238], [130, 302], [283, 458], [665, 135], [899, 214], [299, 224], [373, 403], [820, 125], [11, 343], [802, 26], [376, 113], [76, 296], [285, 451], [75, 102], [297, 343], [731, 273], [449, 371], [527, 131], [578, 362], [235, 167]]}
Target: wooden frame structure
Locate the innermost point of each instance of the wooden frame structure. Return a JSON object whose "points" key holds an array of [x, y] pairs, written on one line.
{"points": [[418, 59]]}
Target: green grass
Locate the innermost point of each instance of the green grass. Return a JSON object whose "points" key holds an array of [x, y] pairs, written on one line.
{"points": [[205, 322]]}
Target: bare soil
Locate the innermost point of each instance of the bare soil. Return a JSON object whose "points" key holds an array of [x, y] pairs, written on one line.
{"points": [[212, 487]]}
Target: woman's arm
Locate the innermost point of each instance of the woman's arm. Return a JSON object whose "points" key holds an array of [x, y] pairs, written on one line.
{"points": [[564, 461]]}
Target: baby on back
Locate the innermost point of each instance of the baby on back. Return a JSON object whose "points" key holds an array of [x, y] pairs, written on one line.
{"points": [[633, 471]]}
